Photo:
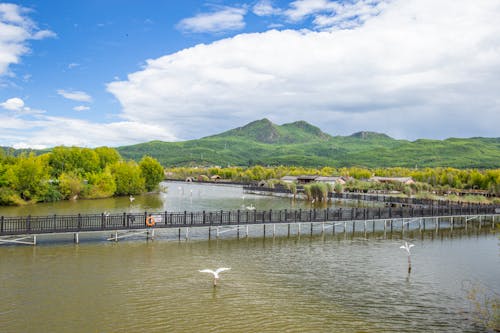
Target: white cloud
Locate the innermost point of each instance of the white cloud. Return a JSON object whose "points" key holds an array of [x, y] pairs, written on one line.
{"points": [[15, 30], [42, 131], [79, 96], [226, 19], [335, 14], [43, 34], [13, 104], [81, 108], [265, 8], [73, 65], [302, 8], [418, 67]]}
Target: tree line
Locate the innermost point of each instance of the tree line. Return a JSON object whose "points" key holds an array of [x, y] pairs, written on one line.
{"points": [[73, 172], [442, 179]]}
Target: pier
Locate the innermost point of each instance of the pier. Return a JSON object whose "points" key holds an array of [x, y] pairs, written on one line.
{"points": [[25, 229]]}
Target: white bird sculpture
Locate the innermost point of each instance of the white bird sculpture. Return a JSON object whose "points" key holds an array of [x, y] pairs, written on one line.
{"points": [[131, 198], [407, 247], [251, 207], [215, 273]]}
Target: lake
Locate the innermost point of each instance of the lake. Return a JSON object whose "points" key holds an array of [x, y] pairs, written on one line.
{"points": [[180, 196], [319, 283]]}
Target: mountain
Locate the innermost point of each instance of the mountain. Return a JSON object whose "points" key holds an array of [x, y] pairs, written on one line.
{"points": [[264, 131], [302, 144]]}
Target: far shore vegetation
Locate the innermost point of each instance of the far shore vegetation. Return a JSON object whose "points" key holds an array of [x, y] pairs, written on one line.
{"points": [[466, 185], [67, 173]]}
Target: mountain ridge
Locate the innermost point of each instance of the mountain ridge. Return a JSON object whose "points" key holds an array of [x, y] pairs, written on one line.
{"points": [[301, 144]]}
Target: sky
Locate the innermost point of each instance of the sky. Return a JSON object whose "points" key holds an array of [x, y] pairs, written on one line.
{"points": [[118, 72]]}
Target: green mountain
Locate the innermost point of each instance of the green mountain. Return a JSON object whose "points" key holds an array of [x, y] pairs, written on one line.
{"points": [[302, 144], [264, 131]]}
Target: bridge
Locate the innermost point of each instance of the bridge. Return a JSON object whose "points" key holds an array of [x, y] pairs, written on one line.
{"points": [[24, 229]]}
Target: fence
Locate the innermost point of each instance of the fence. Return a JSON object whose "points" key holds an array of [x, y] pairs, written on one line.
{"points": [[369, 197], [128, 221]]}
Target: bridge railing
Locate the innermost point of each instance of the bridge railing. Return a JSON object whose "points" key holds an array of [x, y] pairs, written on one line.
{"points": [[367, 197], [130, 221]]}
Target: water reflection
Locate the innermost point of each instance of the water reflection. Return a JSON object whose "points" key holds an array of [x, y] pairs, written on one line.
{"points": [[180, 196]]}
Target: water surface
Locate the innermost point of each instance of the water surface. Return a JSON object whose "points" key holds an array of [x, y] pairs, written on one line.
{"points": [[306, 284]]}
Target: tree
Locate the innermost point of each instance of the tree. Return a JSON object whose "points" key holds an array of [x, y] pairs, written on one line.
{"points": [[70, 185], [29, 177], [152, 172], [128, 178], [101, 185], [107, 156]]}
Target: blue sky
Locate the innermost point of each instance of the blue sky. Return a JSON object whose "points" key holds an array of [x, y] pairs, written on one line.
{"points": [[93, 73]]}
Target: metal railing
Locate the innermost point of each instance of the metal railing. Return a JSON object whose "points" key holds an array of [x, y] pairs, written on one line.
{"points": [[130, 221]]}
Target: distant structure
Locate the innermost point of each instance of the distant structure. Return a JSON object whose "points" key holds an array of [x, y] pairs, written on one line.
{"points": [[403, 180], [312, 179]]}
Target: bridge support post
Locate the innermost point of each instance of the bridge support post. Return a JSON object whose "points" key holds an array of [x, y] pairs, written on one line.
{"points": [[187, 233], [452, 223], [298, 230], [288, 230], [209, 233], [274, 229], [76, 238], [246, 231]]}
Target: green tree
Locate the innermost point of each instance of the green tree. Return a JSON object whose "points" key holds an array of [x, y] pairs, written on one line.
{"points": [[128, 178], [101, 185], [70, 185], [107, 156], [152, 172], [30, 178]]}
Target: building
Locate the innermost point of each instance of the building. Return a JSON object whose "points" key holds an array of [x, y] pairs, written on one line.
{"points": [[311, 179], [403, 180]]}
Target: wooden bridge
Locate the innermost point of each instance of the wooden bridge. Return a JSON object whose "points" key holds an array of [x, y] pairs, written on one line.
{"points": [[23, 230]]}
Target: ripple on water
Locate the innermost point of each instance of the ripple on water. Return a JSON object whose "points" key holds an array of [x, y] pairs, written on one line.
{"points": [[285, 285]]}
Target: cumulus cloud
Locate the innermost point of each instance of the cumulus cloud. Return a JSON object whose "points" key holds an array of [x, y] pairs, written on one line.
{"points": [[79, 96], [13, 104], [416, 68], [225, 19], [16, 29], [43, 131]]}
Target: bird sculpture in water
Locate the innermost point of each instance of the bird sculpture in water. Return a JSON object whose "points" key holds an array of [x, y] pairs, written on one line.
{"points": [[251, 207], [131, 198], [215, 273], [407, 248]]}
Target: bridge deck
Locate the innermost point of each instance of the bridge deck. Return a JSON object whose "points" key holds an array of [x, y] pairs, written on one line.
{"points": [[26, 225]]}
